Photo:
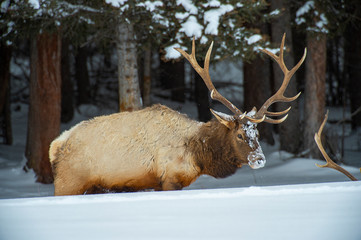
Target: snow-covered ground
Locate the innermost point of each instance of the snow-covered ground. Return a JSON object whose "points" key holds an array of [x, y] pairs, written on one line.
{"points": [[287, 199], [312, 211]]}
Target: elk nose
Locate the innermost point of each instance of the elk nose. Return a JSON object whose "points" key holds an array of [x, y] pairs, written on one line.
{"points": [[256, 159], [257, 163]]}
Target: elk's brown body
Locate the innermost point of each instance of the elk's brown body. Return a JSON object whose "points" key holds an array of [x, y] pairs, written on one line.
{"points": [[160, 148], [152, 148]]}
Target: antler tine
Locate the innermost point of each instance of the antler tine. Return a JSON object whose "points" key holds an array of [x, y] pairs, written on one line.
{"points": [[204, 73], [279, 95], [329, 162]]}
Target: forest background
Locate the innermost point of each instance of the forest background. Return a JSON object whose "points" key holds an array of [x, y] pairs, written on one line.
{"points": [[119, 55]]}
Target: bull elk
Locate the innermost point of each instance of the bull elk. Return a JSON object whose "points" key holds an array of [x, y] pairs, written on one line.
{"points": [[161, 149]]}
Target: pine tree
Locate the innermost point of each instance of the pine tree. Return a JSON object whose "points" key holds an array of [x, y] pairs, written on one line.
{"points": [[226, 22], [45, 103], [43, 23]]}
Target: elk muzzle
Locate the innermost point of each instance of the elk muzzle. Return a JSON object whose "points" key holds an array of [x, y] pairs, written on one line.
{"points": [[256, 159]]}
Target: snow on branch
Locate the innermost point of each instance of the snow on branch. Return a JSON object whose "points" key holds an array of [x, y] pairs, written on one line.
{"points": [[212, 17], [191, 27], [312, 18], [214, 20]]}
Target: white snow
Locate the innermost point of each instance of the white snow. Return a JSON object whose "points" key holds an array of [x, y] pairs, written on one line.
{"points": [[34, 3], [309, 5], [211, 18], [318, 22], [323, 21], [191, 27], [212, 3], [275, 12], [237, 207], [181, 16], [171, 53], [150, 6], [116, 3], [203, 40], [315, 211], [188, 6], [253, 39], [4, 6]]}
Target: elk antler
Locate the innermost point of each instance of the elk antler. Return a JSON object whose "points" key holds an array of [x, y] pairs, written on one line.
{"points": [[263, 112], [330, 163], [204, 73]]}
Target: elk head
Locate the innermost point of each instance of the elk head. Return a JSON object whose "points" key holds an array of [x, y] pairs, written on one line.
{"points": [[242, 125]]}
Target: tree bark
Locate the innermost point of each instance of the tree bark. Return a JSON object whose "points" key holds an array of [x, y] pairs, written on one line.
{"points": [[129, 90], [315, 92], [178, 81], [201, 95], [172, 76], [5, 53], [147, 77], [257, 90], [82, 76], [8, 132], [45, 103], [67, 92], [353, 68], [289, 130]]}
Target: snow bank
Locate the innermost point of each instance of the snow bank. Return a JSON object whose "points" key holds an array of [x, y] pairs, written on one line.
{"points": [[314, 211]]}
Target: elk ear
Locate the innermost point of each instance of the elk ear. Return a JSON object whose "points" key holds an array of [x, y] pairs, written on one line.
{"points": [[225, 119]]}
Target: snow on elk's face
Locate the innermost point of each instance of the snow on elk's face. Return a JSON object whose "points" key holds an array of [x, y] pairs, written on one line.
{"points": [[249, 134], [244, 135]]}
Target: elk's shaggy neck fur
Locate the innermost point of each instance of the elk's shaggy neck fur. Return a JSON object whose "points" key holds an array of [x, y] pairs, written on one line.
{"points": [[212, 149]]}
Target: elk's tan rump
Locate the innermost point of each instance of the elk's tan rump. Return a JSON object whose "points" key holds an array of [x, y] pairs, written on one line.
{"points": [[130, 151]]}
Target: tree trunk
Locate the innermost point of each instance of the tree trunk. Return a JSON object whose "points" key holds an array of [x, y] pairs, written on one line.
{"points": [[5, 53], [45, 103], [147, 77], [314, 90], [8, 132], [172, 76], [129, 90], [67, 92], [353, 69], [5, 117], [289, 130], [178, 81], [201, 94], [257, 90], [82, 76]]}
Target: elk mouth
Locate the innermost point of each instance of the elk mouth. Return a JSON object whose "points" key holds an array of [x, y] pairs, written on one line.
{"points": [[256, 159]]}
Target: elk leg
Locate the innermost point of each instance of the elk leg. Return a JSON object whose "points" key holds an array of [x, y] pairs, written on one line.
{"points": [[71, 186], [171, 185]]}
